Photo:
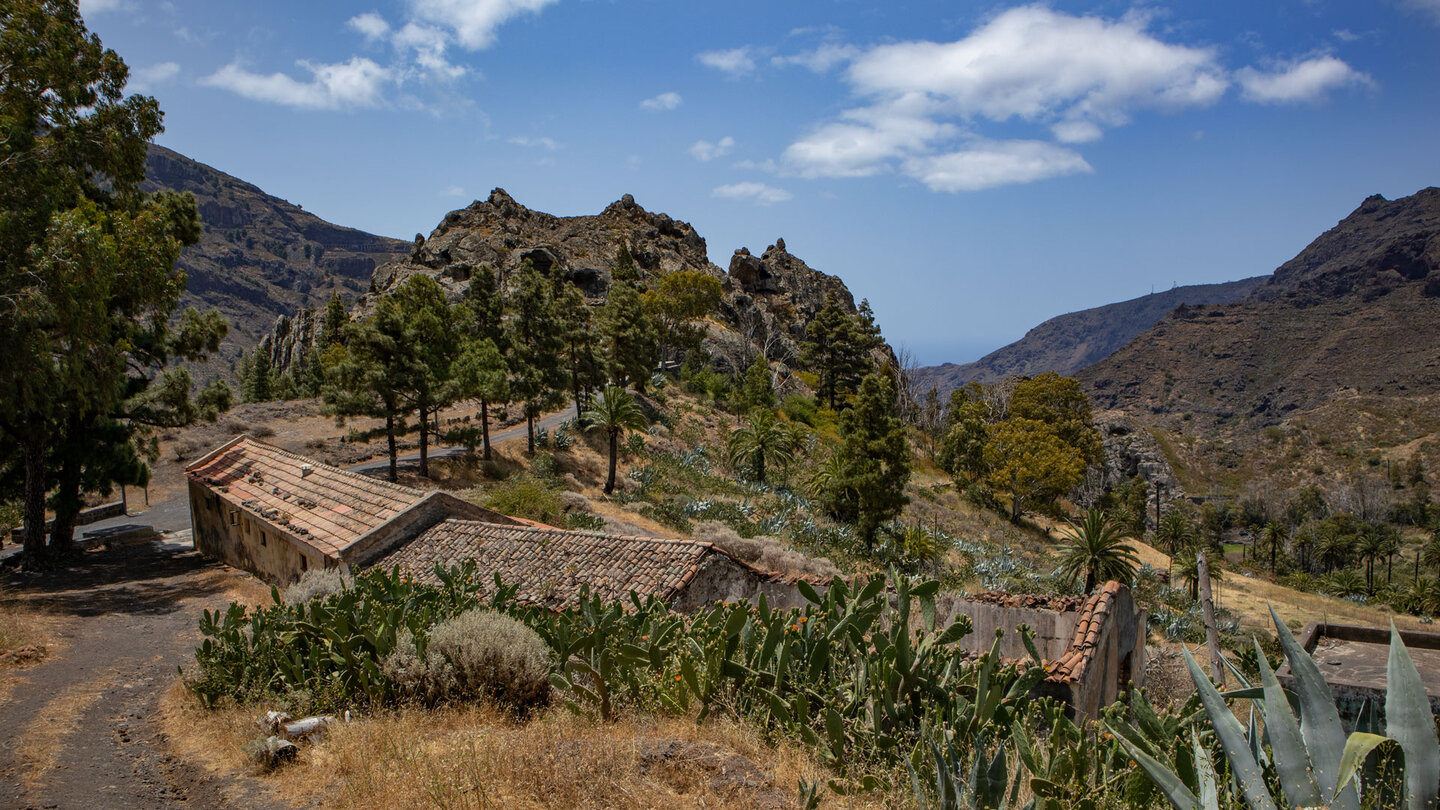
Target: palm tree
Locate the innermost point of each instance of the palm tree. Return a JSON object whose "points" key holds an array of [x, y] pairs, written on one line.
{"points": [[1096, 548], [1187, 567], [762, 440], [614, 412], [1430, 552], [1175, 531], [1274, 533]]}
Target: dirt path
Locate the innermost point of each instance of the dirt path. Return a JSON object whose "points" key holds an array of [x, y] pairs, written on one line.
{"points": [[83, 730]]}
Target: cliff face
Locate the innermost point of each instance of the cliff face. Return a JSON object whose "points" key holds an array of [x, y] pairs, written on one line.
{"points": [[260, 257]]}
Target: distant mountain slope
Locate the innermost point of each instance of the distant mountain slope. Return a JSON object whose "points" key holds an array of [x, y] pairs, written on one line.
{"points": [[1068, 343], [1340, 350], [261, 257]]}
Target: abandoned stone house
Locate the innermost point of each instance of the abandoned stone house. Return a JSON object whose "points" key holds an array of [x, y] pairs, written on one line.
{"points": [[278, 514], [1093, 647], [1353, 661]]}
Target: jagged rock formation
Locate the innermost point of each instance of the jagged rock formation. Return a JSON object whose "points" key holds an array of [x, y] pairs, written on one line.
{"points": [[261, 257], [1068, 343]]}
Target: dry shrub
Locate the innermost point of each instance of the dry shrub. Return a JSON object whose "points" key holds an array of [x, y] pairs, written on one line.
{"points": [[27, 635], [478, 654], [317, 582], [768, 553]]}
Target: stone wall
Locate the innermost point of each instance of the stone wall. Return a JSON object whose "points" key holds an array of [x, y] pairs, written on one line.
{"points": [[226, 531], [722, 579], [408, 525], [1053, 630]]}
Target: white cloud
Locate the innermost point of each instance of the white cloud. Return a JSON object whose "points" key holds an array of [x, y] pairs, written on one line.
{"points": [[750, 191], [1429, 7], [1039, 65], [428, 44], [548, 144], [821, 59], [348, 85], [370, 25], [735, 62], [453, 191], [89, 7], [921, 104], [705, 151], [664, 101], [1306, 80], [145, 79], [989, 164], [474, 22]]}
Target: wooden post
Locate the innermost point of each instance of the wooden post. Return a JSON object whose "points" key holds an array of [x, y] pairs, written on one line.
{"points": [[1207, 611]]}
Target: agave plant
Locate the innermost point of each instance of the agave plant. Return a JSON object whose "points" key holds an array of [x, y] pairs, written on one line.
{"points": [[1309, 757]]}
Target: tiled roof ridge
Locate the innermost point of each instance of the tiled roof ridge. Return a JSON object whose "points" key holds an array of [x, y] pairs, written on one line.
{"points": [[246, 438], [585, 533], [1071, 664]]}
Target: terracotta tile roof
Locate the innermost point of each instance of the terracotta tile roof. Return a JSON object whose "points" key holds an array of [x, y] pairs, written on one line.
{"points": [[1089, 628], [325, 506], [550, 565]]}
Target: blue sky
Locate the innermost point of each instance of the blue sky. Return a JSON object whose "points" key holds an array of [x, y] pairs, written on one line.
{"points": [[972, 169]]}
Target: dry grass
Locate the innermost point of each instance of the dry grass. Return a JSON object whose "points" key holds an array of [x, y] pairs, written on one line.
{"points": [[473, 756], [1248, 598], [22, 626], [45, 736]]}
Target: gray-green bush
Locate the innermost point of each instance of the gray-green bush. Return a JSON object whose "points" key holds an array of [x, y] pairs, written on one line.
{"points": [[477, 654], [317, 582]]}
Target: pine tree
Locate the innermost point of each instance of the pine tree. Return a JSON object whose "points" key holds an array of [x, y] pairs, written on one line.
{"points": [[332, 331], [624, 271], [629, 338], [537, 373], [874, 458], [584, 365], [429, 328], [378, 368], [483, 307], [834, 347], [480, 373], [758, 390], [259, 377]]}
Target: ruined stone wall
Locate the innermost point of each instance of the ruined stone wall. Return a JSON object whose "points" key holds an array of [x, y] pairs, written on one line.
{"points": [[1053, 630], [722, 579], [411, 523], [227, 532]]}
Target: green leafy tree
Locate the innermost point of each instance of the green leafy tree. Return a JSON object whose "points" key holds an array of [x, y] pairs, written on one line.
{"points": [[375, 373], [1095, 549], [612, 413], [677, 305], [835, 349], [536, 343], [962, 448], [1061, 403], [630, 340], [758, 391], [623, 270], [874, 458], [761, 444], [584, 364], [1027, 461], [87, 278]]}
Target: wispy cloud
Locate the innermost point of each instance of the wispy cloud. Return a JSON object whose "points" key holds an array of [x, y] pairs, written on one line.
{"points": [[750, 191], [355, 84], [821, 59], [89, 8], [990, 164], [734, 62], [548, 144], [474, 22], [452, 191], [370, 25], [145, 79], [705, 151], [664, 101], [1306, 80]]}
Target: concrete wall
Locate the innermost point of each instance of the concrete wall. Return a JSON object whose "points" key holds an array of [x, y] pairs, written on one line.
{"points": [[228, 532]]}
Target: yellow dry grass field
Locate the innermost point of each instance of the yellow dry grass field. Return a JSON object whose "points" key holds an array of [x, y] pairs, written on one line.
{"points": [[1248, 598], [473, 756]]}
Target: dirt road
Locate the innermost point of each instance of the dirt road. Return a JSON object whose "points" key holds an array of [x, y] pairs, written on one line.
{"points": [[82, 730]]}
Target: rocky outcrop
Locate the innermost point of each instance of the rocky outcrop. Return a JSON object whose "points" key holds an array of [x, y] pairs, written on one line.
{"points": [[1131, 451]]}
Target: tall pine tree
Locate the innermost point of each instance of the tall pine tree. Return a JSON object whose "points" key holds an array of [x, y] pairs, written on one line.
{"points": [[835, 348], [378, 368], [629, 338], [584, 365], [874, 460], [535, 338]]}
